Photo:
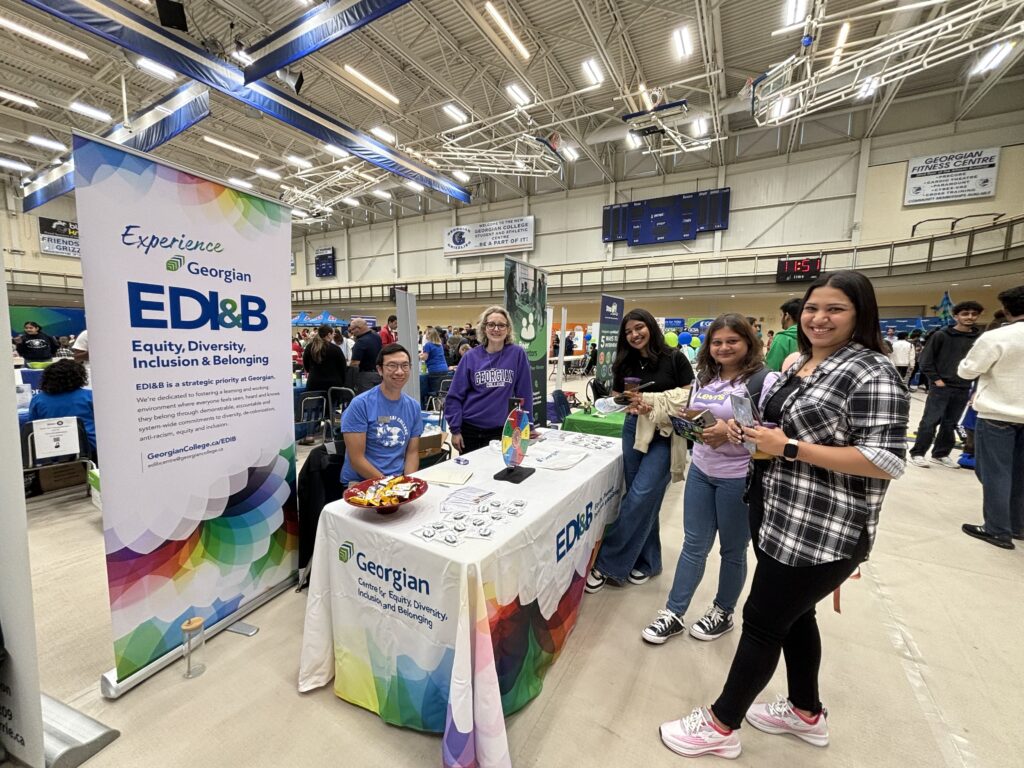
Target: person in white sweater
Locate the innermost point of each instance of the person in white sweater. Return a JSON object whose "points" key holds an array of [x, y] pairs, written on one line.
{"points": [[997, 360]]}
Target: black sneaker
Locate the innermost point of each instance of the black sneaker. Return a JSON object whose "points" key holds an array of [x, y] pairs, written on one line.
{"points": [[595, 581], [662, 628], [713, 625], [978, 531]]}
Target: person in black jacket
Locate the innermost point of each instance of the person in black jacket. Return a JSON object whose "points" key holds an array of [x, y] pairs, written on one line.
{"points": [[947, 392], [324, 362], [35, 346]]}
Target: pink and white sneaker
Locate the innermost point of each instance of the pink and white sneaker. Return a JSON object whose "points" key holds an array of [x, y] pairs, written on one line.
{"points": [[696, 735], [780, 717]]}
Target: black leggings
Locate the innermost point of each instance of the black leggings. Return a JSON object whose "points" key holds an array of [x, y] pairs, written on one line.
{"points": [[474, 437], [779, 616]]}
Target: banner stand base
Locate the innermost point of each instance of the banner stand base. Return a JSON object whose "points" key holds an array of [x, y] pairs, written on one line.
{"points": [[69, 737], [241, 628], [112, 688]]}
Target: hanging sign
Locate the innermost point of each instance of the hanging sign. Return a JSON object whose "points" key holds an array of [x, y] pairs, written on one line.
{"points": [[952, 176], [505, 236], [58, 237]]}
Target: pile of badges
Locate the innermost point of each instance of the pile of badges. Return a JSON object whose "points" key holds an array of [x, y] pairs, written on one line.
{"points": [[471, 513]]}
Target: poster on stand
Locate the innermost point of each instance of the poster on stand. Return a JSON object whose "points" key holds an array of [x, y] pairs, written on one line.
{"points": [[187, 294], [526, 296], [612, 310]]}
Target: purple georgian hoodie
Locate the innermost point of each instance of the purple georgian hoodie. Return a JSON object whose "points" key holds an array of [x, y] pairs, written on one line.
{"points": [[483, 384]]}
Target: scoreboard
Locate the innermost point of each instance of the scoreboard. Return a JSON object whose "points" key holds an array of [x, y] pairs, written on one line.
{"points": [[666, 219], [797, 270]]}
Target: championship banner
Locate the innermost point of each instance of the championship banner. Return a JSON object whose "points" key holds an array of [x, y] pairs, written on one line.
{"points": [[952, 176], [187, 294], [505, 236], [613, 309], [58, 237], [526, 298]]}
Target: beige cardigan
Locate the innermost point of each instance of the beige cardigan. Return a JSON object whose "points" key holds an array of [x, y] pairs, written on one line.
{"points": [[664, 405]]}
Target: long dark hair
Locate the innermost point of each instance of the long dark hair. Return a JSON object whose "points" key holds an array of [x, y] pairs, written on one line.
{"points": [[867, 330], [708, 368], [656, 346], [318, 346]]}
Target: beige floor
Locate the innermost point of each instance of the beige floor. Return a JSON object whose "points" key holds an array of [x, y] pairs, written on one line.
{"points": [[923, 668]]}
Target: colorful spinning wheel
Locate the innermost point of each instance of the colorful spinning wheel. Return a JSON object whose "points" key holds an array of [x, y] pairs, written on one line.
{"points": [[515, 437]]}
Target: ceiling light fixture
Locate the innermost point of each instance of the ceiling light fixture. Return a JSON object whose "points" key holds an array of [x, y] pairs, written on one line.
{"points": [[507, 30], [593, 72], [42, 39], [299, 212], [780, 108], [646, 96], [796, 11], [230, 147], [382, 194], [240, 55], [40, 141], [844, 32], [383, 134], [684, 45], [414, 185], [14, 165], [461, 176], [239, 183], [23, 100], [571, 153], [370, 84], [150, 66], [993, 57], [335, 150], [455, 113], [350, 201], [517, 94], [633, 141], [868, 88], [266, 173], [700, 126], [299, 161], [85, 109]]}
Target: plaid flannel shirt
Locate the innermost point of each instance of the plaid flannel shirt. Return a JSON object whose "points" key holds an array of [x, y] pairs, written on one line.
{"points": [[814, 515]]}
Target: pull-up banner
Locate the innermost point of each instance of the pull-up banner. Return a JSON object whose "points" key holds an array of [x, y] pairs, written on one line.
{"points": [[526, 298], [612, 311], [186, 290]]}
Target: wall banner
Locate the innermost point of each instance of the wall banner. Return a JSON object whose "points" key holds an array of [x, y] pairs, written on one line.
{"points": [[613, 309], [187, 293], [952, 176], [526, 298], [58, 237], [505, 236]]}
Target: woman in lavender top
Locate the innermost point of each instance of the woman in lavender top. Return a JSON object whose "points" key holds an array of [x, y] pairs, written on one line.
{"points": [[730, 362], [486, 379]]}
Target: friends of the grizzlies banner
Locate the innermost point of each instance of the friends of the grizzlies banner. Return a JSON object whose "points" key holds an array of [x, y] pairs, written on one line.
{"points": [[526, 296], [187, 294]]}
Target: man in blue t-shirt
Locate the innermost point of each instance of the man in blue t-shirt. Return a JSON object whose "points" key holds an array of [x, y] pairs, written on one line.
{"points": [[382, 426]]}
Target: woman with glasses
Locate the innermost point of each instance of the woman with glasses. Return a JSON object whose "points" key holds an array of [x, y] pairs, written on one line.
{"points": [[487, 377], [643, 361]]}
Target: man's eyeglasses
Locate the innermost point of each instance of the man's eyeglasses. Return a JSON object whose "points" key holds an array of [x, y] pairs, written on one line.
{"points": [[393, 367], [495, 326]]}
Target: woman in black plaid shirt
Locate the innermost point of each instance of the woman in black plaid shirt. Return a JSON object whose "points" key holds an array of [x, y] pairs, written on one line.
{"points": [[842, 413]]}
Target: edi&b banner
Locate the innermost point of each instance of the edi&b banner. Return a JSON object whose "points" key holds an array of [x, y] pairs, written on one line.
{"points": [[187, 294], [612, 310], [526, 297]]}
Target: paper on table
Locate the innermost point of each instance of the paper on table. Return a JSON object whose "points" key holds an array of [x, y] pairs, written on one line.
{"points": [[554, 457], [608, 405], [443, 474]]}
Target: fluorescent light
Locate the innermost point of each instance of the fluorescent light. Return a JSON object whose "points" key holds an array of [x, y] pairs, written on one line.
{"points": [[780, 108], [23, 100], [868, 88], [571, 153], [507, 30], [335, 150], [231, 147], [844, 32], [633, 141], [85, 109], [593, 72], [14, 165], [414, 185], [796, 11], [156, 69], [366, 176], [461, 176], [700, 126], [39, 37], [455, 113], [239, 183], [39, 141], [350, 201], [684, 45], [299, 212], [382, 194], [646, 96], [299, 161], [993, 57], [519, 163], [242, 57], [370, 84], [266, 173], [383, 134], [517, 94]]}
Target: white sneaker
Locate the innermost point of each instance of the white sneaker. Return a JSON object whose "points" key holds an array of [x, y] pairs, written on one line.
{"points": [[696, 735], [946, 461], [919, 461], [638, 577], [595, 581], [779, 717]]}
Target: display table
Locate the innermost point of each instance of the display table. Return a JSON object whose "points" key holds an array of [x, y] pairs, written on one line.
{"points": [[593, 424], [450, 639]]}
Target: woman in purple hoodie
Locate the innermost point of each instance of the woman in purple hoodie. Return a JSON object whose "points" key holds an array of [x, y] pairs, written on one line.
{"points": [[488, 376]]}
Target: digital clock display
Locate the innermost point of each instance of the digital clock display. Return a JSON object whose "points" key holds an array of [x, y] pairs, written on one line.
{"points": [[792, 270]]}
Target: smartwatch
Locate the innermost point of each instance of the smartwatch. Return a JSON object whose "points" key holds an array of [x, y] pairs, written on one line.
{"points": [[790, 451]]}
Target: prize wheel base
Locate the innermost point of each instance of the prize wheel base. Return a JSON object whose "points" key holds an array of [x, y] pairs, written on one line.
{"points": [[514, 474]]}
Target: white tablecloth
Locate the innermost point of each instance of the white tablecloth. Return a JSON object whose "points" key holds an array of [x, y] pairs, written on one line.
{"points": [[450, 639]]}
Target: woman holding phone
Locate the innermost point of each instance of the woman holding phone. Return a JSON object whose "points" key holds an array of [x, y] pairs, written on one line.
{"points": [[643, 364], [842, 414]]}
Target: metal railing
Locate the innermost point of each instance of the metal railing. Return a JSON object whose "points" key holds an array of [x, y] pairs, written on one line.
{"points": [[42, 282]]}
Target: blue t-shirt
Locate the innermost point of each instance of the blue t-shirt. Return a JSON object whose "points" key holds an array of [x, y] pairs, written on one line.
{"points": [[389, 425], [76, 403], [436, 362]]}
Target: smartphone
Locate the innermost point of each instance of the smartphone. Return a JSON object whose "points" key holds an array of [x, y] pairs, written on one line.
{"points": [[746, 414]]}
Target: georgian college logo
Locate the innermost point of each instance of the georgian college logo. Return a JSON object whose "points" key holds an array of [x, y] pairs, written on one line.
{"points": [[345, 551], [173, 265]]}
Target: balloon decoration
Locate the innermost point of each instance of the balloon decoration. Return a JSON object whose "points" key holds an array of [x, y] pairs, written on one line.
{"points": [[695, 343], [685, 338], [702, 338], [587, 337], [672, 340]]}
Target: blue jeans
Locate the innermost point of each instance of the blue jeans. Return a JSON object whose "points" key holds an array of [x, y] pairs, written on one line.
{"points": [[999, 465], [634, 541], [712, 504]]}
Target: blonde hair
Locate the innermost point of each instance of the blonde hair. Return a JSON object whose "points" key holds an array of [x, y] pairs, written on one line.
{"points": [[481, 332], [433, 336]]}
